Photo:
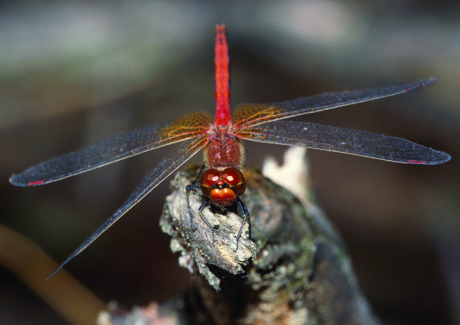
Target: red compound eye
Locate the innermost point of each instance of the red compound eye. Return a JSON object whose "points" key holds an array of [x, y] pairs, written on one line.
{"points": [[210, 177], [235, 179], [208, 180]]}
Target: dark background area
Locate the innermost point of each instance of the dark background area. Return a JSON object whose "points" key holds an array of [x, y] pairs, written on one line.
{"points": [[73, 72]]}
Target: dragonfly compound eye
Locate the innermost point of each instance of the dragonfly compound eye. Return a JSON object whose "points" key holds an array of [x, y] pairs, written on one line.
{"points": [[235, 180], [209, 178]]}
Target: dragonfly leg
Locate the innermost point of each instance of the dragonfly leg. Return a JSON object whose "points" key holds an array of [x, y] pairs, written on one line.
{"points": [[247, 217], [193, 187], [187, 190], [200, 210], [199, 174], [204, 218]]}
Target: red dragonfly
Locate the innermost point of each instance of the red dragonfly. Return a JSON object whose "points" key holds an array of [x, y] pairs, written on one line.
{"points": [[223, 183]]}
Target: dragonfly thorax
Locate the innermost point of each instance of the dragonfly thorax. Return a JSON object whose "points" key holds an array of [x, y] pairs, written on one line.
{"points": [[224, 150], [222, 186]]}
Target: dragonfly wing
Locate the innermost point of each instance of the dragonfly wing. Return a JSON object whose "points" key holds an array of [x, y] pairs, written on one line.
{"points": [[154, 177], [248, 115], [113, 149], [354, 142]]}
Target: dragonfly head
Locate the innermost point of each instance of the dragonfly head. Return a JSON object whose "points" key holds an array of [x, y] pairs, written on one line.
{"points": [[223, 186]]}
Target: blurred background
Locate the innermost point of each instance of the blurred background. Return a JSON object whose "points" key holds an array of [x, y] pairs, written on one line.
{"points": [[73, 72]]}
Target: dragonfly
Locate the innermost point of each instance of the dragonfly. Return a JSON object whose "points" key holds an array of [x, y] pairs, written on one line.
{"points": [[222, 183]]}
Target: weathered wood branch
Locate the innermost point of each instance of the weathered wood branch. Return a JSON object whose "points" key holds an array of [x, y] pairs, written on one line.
{"points": [[295, 270]]}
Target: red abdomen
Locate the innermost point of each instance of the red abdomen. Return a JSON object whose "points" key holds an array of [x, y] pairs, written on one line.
{"points": [[222, 78]]}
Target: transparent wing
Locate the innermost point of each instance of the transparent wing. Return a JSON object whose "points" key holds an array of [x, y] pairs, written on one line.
{"points": [[114, 149], [248, 115], [354, 142], [154, 177]]}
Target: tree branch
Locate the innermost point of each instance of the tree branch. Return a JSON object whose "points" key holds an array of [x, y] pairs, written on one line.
{"points": [[294, 271]]}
